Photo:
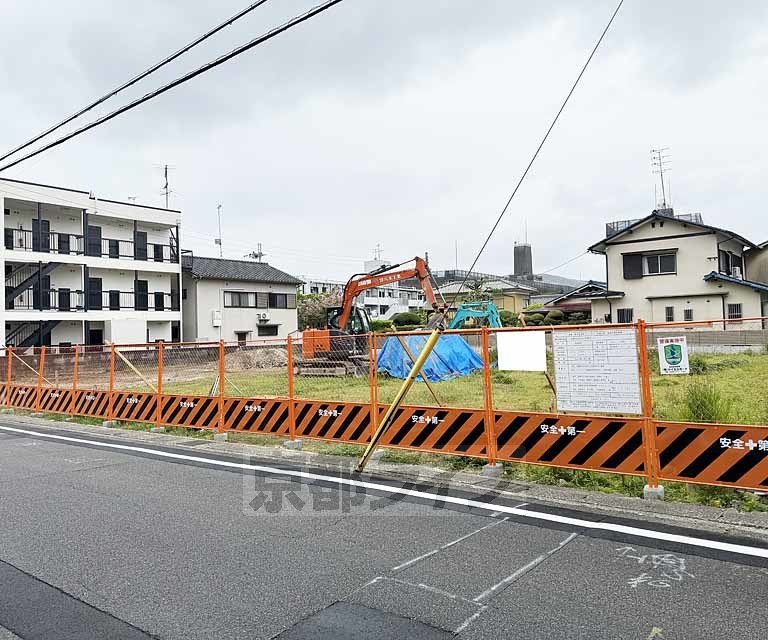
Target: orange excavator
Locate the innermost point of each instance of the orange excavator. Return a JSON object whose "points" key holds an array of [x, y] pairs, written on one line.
{"points": [[343, 342]]}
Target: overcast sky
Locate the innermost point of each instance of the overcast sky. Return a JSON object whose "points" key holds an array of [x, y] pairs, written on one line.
{"points": [[403, 122]]}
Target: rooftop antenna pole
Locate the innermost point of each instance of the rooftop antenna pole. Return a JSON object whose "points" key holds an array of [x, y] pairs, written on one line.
{"points": [[166, 188], [660, 163], [456, 253], [218, 240]]}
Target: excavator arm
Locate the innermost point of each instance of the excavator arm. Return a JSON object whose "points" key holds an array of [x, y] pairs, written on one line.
{"points": [[362, 281]]}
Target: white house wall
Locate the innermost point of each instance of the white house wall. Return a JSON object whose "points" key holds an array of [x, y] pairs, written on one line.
{"points": [[209, 296]]}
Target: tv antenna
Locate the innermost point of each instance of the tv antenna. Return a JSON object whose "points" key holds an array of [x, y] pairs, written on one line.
{"points": [[660, 162], [166, 190], [256, 255], [218, 240], [377, 251]]}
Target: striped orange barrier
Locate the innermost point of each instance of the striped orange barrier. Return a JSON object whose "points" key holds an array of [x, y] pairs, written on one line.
{"points": [[578, 442], [337, 421], [199, 412], [255, 415], [450, 431], [91, 403], [134, 407], [726, 455], [55, 400], [23, 396]]}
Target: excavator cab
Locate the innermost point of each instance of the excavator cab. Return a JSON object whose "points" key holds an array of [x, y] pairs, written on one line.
{"points": [[357, 324]]}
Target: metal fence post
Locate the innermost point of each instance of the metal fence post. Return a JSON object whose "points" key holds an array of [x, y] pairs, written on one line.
{"points": [[75, 365], [110, 407], [291, 393], [489, 416], [649, 433], [9, 355], [373, 380], [221, 386], [40, 379], [159, 394]]}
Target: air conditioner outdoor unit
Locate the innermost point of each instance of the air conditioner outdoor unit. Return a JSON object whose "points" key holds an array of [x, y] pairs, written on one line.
{"points": [[262, 316], [737, 273]]}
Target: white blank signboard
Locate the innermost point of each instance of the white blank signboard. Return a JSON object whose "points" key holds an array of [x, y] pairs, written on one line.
{"points": [[522, 350], [596, 370]]}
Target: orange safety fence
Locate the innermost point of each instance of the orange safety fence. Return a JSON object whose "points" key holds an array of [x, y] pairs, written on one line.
{"points": [[495, 411]]}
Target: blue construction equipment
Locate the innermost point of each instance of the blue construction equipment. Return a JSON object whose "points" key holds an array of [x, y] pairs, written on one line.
{"points": [[485, 310]]}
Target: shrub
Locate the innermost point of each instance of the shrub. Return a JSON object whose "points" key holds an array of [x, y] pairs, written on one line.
{"points": [[535, 319], [408, 327], [703, 402], [698, 364], [406, 318], [578, 317], [504, 377], [381, 325], [508, 319]]}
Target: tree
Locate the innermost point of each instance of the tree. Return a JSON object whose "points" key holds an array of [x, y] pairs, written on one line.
{"points": [[312, 308], [477, 291]]}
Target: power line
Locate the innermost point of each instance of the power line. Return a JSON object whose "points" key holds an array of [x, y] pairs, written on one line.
{"points": [[541, 144], [181, 80], [135, 79], [581, 255]]}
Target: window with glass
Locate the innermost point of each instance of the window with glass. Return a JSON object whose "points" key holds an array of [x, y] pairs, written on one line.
{"points": [[240, 299], [669, 314], [659, 264], [625, 315], [267, 330], [278, 300], [688, 315]]}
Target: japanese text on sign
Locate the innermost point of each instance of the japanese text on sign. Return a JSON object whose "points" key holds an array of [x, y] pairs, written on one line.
{"points": [[597, 370], [673, 356]]}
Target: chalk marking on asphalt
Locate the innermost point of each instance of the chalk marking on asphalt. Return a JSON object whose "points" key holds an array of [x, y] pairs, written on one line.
{"points": [[430, 589], [522, 570], [503, 584], [651, 534], [447, 545]]}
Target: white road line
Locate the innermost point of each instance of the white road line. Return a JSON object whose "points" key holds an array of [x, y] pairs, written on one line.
{"points": [[522, 571], [650, 534]]}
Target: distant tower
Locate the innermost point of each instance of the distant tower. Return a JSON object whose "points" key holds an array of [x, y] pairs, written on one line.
{"points": [[523, 259]]}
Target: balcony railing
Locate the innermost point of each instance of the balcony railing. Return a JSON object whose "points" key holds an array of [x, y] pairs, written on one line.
{"points": [[75, 244], [27, 240], [62, 299]]}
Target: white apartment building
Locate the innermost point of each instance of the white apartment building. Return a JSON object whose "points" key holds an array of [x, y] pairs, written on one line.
{"points": [[239, 300], [85, 270], [667, 268]]}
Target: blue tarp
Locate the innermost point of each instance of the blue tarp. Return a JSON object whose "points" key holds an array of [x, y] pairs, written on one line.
{"points": [[451, 358]]}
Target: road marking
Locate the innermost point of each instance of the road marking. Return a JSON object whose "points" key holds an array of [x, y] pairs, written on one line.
{"points": [[650, 534], [447, 545], [522, 570]]}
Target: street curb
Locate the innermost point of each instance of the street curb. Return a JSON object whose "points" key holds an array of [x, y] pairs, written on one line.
{"points": [[722, 521]]}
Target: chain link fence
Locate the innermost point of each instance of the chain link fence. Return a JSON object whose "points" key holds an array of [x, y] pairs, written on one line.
{"points": [[256, 369], [728, 373]]}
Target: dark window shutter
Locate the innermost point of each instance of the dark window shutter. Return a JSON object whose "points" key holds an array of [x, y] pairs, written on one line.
{"points": [[633, 266], [291, 301], [262, 300]]}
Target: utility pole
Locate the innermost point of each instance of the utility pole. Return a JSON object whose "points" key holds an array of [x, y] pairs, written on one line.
{"points": [[166, 188], [218, 240]]}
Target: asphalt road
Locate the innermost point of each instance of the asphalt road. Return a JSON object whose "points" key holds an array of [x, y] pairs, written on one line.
{"points": [[99, 542]]}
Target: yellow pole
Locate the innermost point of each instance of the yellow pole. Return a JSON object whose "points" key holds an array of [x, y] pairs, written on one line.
{"points": [[407, 384]]}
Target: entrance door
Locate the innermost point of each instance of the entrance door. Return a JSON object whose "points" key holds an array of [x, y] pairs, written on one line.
{"points": [[141, 293], [94, 300], [140, 245], [95, 336], [41, 238], [41, 293], [93, 241]]}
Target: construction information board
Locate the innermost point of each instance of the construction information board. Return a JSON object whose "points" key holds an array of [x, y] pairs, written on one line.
{"points": [[597, 370]]}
